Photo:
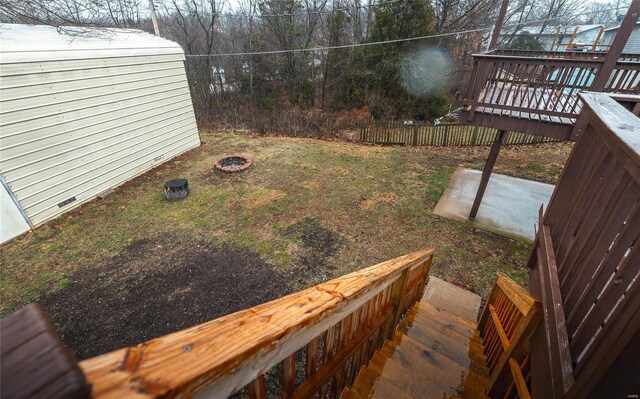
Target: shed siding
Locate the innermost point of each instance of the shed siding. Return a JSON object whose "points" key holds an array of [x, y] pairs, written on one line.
{"points": [[74, 128]]}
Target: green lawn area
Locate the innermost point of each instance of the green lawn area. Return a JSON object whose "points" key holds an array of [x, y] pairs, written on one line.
{"points": [[307, 211]]}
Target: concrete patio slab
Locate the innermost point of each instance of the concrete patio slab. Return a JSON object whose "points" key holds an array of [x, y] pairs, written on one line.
{"points": [[509, 207]]}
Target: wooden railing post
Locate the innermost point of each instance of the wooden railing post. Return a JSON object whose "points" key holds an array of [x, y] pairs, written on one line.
{"points": [[256, 389], [508, 320], [395, 301], [425, 279]]}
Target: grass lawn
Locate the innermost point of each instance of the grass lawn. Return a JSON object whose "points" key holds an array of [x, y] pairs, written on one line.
{"points": [[134, 266]]}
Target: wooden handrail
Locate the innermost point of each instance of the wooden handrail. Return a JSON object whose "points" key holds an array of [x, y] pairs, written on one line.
{"points": [[507, 322], [353, 313]]}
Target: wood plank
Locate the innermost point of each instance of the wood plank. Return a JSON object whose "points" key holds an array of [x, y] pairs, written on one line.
{"points": [[407, 358], [554, 312], [516, 294], [311, 363], [466, 353], [444, 321], [288, 375], [35, 363], [452, 299], [370, 385], [518, 378], [496, 322], [256, 389]]}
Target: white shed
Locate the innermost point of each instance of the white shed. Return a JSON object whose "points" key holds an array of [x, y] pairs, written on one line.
{"points": [[82, 111]]}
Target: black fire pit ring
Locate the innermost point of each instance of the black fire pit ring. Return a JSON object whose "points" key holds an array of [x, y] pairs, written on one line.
{"points": [[176, 189]]}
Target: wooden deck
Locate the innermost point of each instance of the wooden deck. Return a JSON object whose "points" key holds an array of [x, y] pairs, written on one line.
{"points": [[436, 352], [537, 92]]}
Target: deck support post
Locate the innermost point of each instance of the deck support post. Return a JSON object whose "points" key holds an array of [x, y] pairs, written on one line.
{"points": [[486, 172]]}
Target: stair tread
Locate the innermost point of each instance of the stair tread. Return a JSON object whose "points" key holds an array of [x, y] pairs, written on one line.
{"points": [[453, 299], [349, 393], [468, 353], [369, 385], [426, 313], [406, 350], [436, 352], [421, 372], [398, 377]]}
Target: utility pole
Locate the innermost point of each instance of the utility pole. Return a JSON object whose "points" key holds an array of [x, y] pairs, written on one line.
{"points": [[154, 17]]}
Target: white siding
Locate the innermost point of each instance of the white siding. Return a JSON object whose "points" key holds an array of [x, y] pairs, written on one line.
{"points": [[72, 128], [633, 44]]}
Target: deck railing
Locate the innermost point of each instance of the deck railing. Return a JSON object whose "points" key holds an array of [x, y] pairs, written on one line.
{"points": [[507, 322], [317, 339], [543, 85], [586, 263]]}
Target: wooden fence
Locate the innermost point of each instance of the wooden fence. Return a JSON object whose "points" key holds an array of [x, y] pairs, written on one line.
{"points": [[396, 133], [585, 268]]}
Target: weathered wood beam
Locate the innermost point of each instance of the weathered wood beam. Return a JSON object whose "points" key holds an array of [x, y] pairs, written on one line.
{"points": [[486, 173]]}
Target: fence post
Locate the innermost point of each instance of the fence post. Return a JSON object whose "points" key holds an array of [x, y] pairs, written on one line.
{"points": [[415, 134], [446, 135], [474, 137]]}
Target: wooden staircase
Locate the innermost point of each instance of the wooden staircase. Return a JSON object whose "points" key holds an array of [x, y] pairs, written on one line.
{"points": [[436, 352]]}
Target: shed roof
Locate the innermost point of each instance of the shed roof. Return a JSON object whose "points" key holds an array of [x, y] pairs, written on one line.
{"points": [[33, 43]]}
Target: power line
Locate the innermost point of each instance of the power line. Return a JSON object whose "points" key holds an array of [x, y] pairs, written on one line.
{"points": [[353, 45], [321, 11], [297, 50]]}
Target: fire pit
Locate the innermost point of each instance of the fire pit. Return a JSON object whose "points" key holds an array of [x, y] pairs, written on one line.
{"points": [[233, 164]]}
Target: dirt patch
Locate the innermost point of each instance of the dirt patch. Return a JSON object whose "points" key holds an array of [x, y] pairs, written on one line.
{"points": [[319, 244], [151, 290]]}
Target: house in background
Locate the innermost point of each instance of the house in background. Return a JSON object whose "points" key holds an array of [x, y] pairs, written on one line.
{"points": [[633, 44], [568, 38]]}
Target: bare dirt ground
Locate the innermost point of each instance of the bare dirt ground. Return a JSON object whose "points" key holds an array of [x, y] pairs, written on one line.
{"points": [[133, 266]]}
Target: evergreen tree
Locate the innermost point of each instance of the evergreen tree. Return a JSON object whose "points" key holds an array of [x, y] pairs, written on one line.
{"points": [[387, 96]]}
